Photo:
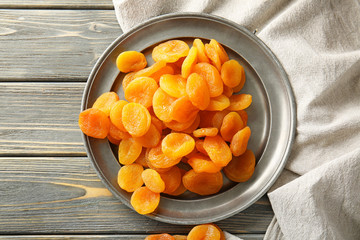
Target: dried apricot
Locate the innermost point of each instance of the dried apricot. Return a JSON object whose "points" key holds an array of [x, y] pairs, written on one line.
{"points": [[104, 102], [232, 73], [181, 188], [182, 110], [142, 159], [239, 141], [158, 159], [177, 145], [213, 55], [113, 140], [218, 103], [220, 50], [218, 118], [151, 138], [218, 151], [94, 123], [239, 102], [193, 126], [141, 90], [206, 118], [199, 145], [172, 179], [198, 91], [116, 114], [162, 236], [241, 84], [228, 91], [201, 50], [204, 232], [202, 163], [129, 177], [178, 126], [231, 124], [203, 183], [180, 237], [202, 132], [170, 51], [136, 119], [162, 71], [241, 168], [174, 85], [189, 62], [153, 180], [212, 77], [151, 70], [144, 201], [130, 61], [244, 116], [162, 104], [116, 133], [128, 78], [129, 151]]}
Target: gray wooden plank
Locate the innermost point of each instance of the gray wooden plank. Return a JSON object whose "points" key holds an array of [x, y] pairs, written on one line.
{"points": [[63, 4], [38, 45], [108, 237], [40, 119], [63, 195]]}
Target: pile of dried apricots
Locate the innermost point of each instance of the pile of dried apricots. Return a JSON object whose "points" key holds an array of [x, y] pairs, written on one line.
{"points": [[203, 231], [179, 110]]}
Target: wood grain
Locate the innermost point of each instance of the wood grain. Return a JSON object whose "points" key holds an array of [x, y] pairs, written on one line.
{"points": [[63, 195], [40, 119], [53, 45], [58, 4]]}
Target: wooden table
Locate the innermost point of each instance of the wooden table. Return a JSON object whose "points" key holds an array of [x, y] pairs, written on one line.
{"points": [[49, 189]]}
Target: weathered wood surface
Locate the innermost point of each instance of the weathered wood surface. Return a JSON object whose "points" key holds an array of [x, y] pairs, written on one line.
{"points": [[107, 237], [58, 4], [36, 46], [40, 119], [57, 195]]}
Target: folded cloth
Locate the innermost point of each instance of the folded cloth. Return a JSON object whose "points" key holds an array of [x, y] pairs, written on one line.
{"points": [[318, 43]]}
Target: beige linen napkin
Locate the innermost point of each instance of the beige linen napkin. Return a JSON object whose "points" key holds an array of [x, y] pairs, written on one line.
{"points": [[318, 43]]}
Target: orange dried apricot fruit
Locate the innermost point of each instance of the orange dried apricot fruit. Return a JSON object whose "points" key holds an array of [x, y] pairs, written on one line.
{"points": [[162, 71], [212, 77], [232, 73], [241, 84], [206, 118], [182, 110], [180, 237], [241, 168], [151, 138], [162, 236], [178, 126], [201, 50], [218, 151], [202, 132], [94, 123], [239, 102], [181, 188], [129, 177], [116, 133], [130, 61], [231, 124], [153, 180], [202, 163], [104, 102], [151, 70], [113, 140], [157, 122], [218, 118], [172, 179], [136, 119], [142, 159], [162, 104], [129, 151], [213, 55], [203, 183], [174, 85], [128, 78], [144, 201], [158, 159], [193, 126], [198, 91], [199, 145], [116, 114], [218, 103], [228, 91], [204, 232], [189, 62], [141, 90], [170, 51], [220, 50], [244, 116], [239, 141], [177, 145]]}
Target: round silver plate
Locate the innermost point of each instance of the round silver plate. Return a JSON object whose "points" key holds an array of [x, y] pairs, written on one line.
{"points": [[271, 114]]}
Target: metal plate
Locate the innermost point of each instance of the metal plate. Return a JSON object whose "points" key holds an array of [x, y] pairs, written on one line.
{"points": [[271, 115]]}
